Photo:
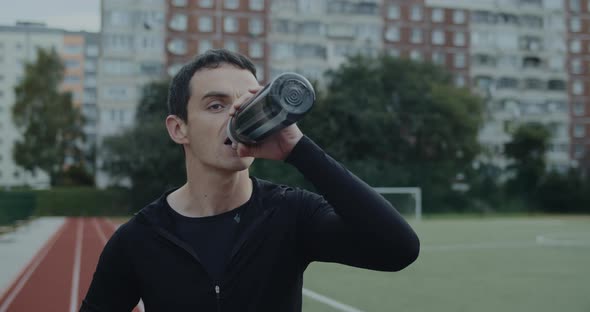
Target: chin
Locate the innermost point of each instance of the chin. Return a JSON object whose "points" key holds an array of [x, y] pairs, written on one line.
{"points": [[241, 164]]}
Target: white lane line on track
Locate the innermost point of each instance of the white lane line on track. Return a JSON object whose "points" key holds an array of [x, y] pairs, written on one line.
{"points": [[33, 266], [76, 271], [100, 232], [104, 239], [329, 301]]}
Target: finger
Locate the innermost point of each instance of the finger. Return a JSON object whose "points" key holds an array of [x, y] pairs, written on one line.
{"points": [[243, 99], [244, 151]]}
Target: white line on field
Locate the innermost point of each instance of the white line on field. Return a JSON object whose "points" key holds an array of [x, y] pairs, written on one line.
{"points": [[329, 301], [495, 245], [76, 271]]}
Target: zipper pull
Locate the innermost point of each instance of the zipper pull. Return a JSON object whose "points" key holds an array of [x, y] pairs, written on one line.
{"points": [[217, 293]]}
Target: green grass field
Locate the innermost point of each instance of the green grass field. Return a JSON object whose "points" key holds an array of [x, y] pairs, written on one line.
{"points": [[538, 264]]}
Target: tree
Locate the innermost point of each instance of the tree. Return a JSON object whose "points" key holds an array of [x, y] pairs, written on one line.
{"points": [[527, 151], [399, 123], [50, 125], [144, 153]]}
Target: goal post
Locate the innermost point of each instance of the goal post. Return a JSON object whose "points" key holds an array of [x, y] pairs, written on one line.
{"points": [[415, 192]]}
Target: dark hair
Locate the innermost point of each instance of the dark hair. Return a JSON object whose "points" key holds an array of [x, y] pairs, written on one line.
{"points": [[179, 91]]}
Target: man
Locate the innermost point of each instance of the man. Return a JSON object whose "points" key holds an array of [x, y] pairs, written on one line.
{"points": [[225, 241]]}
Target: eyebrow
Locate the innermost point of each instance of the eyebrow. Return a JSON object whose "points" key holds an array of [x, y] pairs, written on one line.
{"points": [[214, 94]]}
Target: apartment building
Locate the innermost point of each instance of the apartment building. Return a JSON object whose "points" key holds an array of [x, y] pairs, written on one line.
{"points": [[195, 26], [515, 54], [132, 54], [423, 31], [310, 37], [578, 60], [18, 46]]}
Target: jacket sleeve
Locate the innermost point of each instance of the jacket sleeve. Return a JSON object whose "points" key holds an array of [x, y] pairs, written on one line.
{"points": [[349, 223], [114, 287]]}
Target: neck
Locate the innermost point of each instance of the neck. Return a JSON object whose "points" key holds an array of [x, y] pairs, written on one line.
{"points": [[209, 193]]}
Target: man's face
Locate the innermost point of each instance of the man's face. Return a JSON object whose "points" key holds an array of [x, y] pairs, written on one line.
{"points": [[213, 92]]}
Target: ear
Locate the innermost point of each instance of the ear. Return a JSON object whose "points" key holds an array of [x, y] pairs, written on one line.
{"points": [[177, 129]]}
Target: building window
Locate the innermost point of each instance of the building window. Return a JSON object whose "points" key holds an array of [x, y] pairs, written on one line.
{"points": [[206, 3], [256, 5], [460, 81], [578, 87], [72, 79], [205, 23], [179, 22], [575, 24], [459, 60], [231, 4], [416, 55], [438, 37], [579, 108], [438, 15], [393, 11], [92, 51], [579, 151], [73, 49], [576, 66], [205, 45], [575, 46], [575, 5], [459, 17], [177, 46], [556, 85], [392, 33], [174, 69], [179, 3], [72, 64], [393, 52], [255, 49], [230, 24], [416, 13], [255, 26], [438, 58], [507, 83], [231, 45], [534, 84], [579, 130], [459, 39], [416, 35]]}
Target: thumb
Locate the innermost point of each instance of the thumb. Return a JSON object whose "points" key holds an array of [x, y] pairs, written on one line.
{"points": [[246, 151]]}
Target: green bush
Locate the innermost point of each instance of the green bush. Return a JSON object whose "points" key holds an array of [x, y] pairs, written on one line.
{"points": [[16, 206], [82, 201]]}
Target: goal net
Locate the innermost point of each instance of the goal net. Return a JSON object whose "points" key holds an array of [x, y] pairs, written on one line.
{"points": [[407, 200]]}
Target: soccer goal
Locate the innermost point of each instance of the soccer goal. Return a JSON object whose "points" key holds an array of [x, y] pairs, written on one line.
{"points": [[415, 192]]}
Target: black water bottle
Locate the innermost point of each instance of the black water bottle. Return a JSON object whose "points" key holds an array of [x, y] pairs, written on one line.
{"points": [[282, 102]]}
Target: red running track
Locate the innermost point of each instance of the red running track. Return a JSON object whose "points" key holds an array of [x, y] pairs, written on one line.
{"points": [[58, 276]]}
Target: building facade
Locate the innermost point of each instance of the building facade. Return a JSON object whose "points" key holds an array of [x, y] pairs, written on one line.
{"points": [[131, 55], [18, 46], [515, 58], [578, 60], [195, 26], [310, 37]]}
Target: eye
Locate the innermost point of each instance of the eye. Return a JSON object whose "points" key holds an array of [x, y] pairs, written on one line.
{"points": [[215, 107]]}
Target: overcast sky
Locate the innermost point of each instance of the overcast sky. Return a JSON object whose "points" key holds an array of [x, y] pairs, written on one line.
{"points": [[68, 14]]}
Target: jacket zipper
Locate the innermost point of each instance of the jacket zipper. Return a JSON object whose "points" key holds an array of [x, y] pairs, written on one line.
{"points": [[181, 245], [218, 295]]}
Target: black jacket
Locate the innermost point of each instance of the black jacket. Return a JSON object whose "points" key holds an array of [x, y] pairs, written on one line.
{"points": [[284, 230]]}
